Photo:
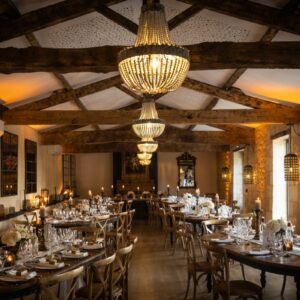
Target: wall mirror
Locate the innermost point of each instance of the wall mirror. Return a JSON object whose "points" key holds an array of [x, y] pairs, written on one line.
{"points": [[186, 170]]}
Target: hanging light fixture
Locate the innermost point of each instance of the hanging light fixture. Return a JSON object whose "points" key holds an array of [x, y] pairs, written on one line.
{"points": [[291, 164], [145, 162], [148, 125], [248, 172], [154, 64], [147, 145], [225, 174], [144, 155]]}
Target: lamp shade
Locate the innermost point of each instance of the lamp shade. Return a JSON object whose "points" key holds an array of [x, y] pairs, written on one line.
{"points": [[154, 64], [225, 174], [148, 125], [147, 145], [291, 167], [248, 174]]}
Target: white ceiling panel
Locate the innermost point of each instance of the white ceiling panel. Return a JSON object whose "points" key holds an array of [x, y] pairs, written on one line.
{"points": [[180, 126], [277, 84], [29, 5], [31, 86], [224, 104], [203, 127], [184, 98], [283, 36], [77, 80], [18, 42], [108, 99], [107, 126], [64, 106], [213, 77]]}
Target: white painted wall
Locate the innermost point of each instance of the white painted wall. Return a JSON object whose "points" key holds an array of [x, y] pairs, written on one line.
{"points": [[93, 171], [206, 171], [49, 167]]}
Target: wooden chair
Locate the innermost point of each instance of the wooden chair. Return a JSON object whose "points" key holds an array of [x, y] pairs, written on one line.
{"points": [[45, 293], [118, 234], [222, 285], [214, 225], [120, 273], [167, 229], [118, 206], [91, 234], [129, 204], [100, 280], [196, 268], [30, 220], [129, 222]]}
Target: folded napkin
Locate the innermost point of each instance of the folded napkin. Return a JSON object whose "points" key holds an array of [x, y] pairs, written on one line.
{"points": [[69, 254], [259, 252], [11, 276], [222, 241]]}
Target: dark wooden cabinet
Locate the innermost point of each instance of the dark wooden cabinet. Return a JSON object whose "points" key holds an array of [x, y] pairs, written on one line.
{"points": [[30, 167], [9, 164]]}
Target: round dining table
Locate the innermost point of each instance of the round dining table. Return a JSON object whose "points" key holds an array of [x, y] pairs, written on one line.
{"points": [[288, 265]]}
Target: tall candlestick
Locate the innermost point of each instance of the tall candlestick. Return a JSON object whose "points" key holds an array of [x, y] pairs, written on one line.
{"points": [[90, 193], [42, 211], [198, 192], [168, 189], [258, 204]]}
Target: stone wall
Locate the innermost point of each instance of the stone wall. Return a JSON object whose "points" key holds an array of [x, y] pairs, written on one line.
{"points": [[260, 156]]}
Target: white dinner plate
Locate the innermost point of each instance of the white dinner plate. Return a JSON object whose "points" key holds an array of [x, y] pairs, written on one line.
{"points": [[259, 252], [222, 241]]}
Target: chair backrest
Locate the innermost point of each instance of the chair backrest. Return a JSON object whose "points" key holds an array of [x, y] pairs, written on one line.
{"points": [[51, 280], [178, 219], [101, 273], [30, 219], [118, 206], [163, 215], [129, 220], [129, 204], [213, 225], [121, 268], [121, 222], [131, 195], [190, 248], [217, 257], [90, 233]]}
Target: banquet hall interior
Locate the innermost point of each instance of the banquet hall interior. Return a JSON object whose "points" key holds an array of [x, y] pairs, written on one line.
{"points": [[149, 149]]}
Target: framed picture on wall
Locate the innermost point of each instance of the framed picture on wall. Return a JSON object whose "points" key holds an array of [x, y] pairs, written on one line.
{"points": [[132, 164], [9, 164], [186, 170]]}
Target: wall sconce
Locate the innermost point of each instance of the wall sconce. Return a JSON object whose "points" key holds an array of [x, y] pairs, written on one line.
{"points": [[248, 174], [225, 174]]}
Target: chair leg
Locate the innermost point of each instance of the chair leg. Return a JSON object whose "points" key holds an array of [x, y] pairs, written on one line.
{"points": [[283, 285], [166, 239], [188, 286], [243, 271], [195, 286]]}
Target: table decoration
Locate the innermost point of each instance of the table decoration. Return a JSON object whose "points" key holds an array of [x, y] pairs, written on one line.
{"points": [[273, 232]]}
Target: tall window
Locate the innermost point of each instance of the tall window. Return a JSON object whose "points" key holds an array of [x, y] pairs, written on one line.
{"points": [[280, 191], [238, 157]]}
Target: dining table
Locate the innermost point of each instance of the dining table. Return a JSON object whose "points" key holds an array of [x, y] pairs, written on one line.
{"points": [[17, 289], [286, 263]]}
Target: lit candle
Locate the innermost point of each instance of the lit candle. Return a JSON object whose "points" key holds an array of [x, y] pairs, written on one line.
{"points": [[102, 189], [138, 188], [112, 186], [217, 198], [90, 193], [198, 192], [177, 188], [168, 186], [123, 186], [42, 211], [153, 188], [45, 200], [258, 204]]}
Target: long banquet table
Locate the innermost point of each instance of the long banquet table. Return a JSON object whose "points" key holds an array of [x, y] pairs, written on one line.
{"points": [[18, 289], [288, 265]]}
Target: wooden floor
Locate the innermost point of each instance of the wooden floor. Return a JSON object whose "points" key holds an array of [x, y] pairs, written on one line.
{"points": [[155, 274]]}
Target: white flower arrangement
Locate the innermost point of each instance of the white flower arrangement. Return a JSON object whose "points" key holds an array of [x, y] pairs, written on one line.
{"points": [[208, 204], [276, 226], [11, 237]]}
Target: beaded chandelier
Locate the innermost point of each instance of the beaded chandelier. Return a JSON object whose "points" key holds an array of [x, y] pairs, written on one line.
{"points": [[144, 155], [147, 145], [291, 167], [148, 126], [154, 64], [145, 162]]}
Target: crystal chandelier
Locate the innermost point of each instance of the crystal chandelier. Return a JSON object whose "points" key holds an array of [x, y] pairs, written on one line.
{"points": [[154, 64], [144, 155], [148, 126], [147, 145], [145, 162]]}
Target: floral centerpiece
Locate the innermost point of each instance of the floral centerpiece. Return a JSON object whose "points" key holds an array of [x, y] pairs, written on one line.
{"points": [[273, 231]]}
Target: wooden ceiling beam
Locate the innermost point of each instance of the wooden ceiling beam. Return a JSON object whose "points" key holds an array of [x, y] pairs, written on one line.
{"points": [[231, 94], [48, 16], [204, 56], [62, 96], [163, 147], [253, 12], [226, 116], [170, 134]]}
